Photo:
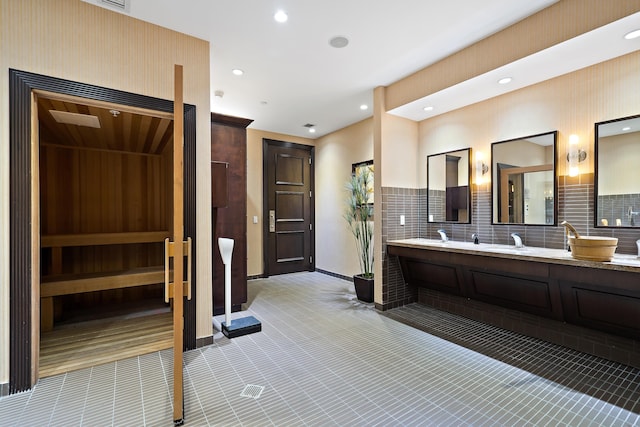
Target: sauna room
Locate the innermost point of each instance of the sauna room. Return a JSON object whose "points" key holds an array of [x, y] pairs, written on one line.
{"points": [[105, 182]]}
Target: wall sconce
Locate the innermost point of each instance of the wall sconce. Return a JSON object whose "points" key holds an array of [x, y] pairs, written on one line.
{"points": [[481, 168], [575, 155]]}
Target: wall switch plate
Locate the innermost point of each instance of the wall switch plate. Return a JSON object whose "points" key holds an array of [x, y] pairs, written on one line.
{"points": [[401, 219], [255, 219]]}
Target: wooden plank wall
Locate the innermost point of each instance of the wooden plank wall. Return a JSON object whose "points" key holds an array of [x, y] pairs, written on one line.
{"points": [[100, 191]]}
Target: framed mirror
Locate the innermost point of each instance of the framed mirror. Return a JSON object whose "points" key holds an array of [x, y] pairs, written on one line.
{"points": [[523, 183], [449, 198], [617, 175]]}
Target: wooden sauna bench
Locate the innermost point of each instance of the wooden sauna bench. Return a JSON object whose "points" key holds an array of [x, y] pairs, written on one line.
{"points": [[67, 284]]}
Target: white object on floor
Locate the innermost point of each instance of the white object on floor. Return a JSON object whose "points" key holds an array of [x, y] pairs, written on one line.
{"points": [[226, 251]]}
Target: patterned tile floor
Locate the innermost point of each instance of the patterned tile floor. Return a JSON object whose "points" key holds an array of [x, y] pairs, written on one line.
{"points": [[326, 359]]}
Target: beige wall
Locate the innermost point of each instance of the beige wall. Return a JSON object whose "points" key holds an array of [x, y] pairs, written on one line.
{"points": [[254, 193], [399, 161], [335, 153], [570, 104], [81, 42]]}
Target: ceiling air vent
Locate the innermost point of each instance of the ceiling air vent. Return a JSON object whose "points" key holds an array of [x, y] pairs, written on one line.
{"points": [[123, 5]]}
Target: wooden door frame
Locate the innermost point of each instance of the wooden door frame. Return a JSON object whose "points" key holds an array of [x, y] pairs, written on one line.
{"points": [[23, 286], [266, 142]]}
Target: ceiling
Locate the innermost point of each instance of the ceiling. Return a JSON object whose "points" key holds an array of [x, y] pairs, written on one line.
{"points": [[121, 130], [293, 77]]}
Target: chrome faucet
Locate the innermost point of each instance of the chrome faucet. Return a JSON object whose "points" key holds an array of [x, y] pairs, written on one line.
{"points": [[476, 238], [443, 235], [517, 239]]}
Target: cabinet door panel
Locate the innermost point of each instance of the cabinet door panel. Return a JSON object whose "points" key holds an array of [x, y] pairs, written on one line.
{"points": [[523, 294], [434, 276], [600, 308]]}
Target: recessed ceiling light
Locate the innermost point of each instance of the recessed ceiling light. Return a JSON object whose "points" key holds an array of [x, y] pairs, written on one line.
{"points": [[339, 42], [624, 129], [237, 71], [312, 130], [632, 35], [281, 16], [364, 107], [429, 108], [504, 80]]}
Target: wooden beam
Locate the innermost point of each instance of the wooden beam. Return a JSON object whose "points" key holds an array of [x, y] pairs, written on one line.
{"points": [[92, 282], [178, 236], [92, 239]]}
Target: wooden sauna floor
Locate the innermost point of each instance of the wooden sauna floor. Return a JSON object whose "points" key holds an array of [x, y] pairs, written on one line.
{"points": [[74, 346]]}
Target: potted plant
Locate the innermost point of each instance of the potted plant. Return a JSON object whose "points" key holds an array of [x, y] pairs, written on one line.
{"points": [[358, 214]]}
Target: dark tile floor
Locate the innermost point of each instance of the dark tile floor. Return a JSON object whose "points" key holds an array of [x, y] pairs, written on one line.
{"points": [[606, 380], [325, 359]]}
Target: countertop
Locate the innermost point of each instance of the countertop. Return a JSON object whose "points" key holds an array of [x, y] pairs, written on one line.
{"points": [[620, 262]]}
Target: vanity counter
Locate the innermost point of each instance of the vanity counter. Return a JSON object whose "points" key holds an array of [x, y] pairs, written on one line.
{"points": [[620, 262], [544, 282]]}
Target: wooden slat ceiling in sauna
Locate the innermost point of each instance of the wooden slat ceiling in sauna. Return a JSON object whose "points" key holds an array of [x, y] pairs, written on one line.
{"points": [[125, 131]]}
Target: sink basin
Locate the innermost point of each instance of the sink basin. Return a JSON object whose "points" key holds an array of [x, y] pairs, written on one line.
{"points": [[507, 249]]}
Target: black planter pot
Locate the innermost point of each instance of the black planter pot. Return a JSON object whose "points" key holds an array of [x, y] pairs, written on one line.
{"points": [[364, 288]]}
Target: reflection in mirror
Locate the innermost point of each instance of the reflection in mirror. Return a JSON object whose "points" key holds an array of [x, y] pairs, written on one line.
{"points": [[448, 186], [617, 183], [524, 180]]}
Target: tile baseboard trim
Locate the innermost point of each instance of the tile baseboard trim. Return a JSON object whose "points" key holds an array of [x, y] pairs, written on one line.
{"points": [[396, 304], [4, 389], [204, 341]]}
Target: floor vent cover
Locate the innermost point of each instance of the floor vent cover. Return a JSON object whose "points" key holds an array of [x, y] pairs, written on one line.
{"points": [[251, 390]]}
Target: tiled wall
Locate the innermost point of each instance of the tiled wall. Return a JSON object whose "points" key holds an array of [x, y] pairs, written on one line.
{"points": [[437, 207], [575, 205], [616, 207], [396, 202]]}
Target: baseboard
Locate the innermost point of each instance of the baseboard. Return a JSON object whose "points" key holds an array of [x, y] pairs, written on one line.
{"points": [[328, 273], [4, 389], [204, 341], [339, 276]]}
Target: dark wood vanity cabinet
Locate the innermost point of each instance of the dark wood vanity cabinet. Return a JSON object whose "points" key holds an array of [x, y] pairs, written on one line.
{"points": [[514, 284], [229, 211], [439, 272], [602, 299]]}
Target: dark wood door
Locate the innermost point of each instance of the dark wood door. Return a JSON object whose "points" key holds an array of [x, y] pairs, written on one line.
{"points": [[288, 207]]}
